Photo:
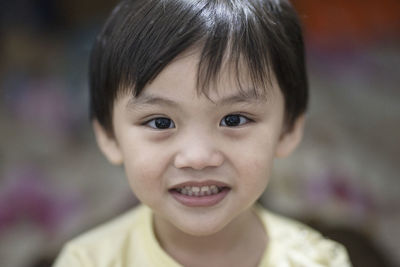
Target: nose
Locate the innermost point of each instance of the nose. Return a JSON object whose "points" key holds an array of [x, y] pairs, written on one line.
{"points": [[198, 151]]}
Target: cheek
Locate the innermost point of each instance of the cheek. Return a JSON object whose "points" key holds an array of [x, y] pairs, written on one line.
{"points": [[255, 161], [256, 169], [144, 167], [257, 151]]}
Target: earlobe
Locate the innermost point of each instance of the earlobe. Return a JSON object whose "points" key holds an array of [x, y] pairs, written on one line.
{"points": [[290, 140], [107, 144]]}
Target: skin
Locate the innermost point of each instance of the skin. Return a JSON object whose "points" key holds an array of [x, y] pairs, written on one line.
{"points": [[199, 146]]}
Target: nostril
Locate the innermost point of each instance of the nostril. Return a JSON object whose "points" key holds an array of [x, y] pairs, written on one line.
{"points": [[198, 159]]}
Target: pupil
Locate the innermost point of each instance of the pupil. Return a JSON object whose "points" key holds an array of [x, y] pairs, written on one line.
{"points": [[232, 120], [163, 123]]}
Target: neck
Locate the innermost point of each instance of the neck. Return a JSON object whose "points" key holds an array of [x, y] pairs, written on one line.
{"points": [[245, 233]]}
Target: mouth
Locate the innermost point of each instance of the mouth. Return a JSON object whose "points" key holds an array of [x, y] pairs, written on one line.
{"points": [[200, 191], [200, 194]]}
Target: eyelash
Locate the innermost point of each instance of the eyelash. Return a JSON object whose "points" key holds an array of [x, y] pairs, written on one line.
{"points": [[153, 122], [242, 120]]}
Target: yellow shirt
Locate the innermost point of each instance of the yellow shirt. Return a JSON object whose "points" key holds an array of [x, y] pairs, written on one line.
{"points": [[130, 241]]}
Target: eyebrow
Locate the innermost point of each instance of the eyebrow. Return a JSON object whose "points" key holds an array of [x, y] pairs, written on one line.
{"points": [[243, 97], [246, 97], [149, 99]]}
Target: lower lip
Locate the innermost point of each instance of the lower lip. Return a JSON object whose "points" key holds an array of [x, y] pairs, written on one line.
{"points": [[200, 201]]}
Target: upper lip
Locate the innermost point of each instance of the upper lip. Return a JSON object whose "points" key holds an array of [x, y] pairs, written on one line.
{"points": [[200, 184]]}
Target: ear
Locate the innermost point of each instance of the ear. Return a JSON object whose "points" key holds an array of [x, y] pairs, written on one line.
{"points": [[290, 140], [107, 144]]}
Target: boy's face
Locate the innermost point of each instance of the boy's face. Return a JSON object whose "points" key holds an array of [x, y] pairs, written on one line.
{"points": [[170, 135]]}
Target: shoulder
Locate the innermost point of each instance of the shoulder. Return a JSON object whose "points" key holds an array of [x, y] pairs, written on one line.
{"points": [[297, 244], [105, 243], [114, 231]]}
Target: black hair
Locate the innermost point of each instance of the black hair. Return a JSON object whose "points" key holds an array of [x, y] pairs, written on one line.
{"points": [[141, 37]]}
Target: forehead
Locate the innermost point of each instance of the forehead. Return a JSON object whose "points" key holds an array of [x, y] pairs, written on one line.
{"points": [[232, 82]]}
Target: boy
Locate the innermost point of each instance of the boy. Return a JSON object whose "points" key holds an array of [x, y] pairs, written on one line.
{"points": [[195, 98]]}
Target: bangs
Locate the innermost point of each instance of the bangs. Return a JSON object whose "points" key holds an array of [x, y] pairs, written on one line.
{"points": [[142, 37], [233, 42]]}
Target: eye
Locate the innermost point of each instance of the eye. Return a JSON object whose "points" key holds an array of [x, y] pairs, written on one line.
{"points": [[234, 120], [160, 123]]}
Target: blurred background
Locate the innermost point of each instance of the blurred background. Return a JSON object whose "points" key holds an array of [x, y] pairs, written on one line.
{"points": [[343, 180]]}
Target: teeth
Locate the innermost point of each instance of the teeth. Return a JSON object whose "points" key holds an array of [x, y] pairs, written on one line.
{"points": [[199, 191], [214, 189], [195, 189]]}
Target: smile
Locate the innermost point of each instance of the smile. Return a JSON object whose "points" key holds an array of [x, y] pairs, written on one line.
{"points": [[200, 194], [199, 191]]}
